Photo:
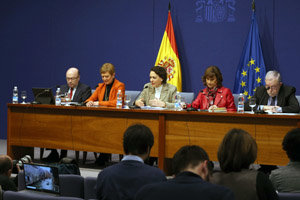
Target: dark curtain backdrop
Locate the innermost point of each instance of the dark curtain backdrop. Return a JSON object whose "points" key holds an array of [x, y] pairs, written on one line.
{"points": [[40, 39]]}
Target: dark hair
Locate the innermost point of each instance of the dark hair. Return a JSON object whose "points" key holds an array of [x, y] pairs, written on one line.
{"points": [[291, 144], [237, 151], [212, 71], [137, 139], [188, 156], [5, 164], [161, 72]]}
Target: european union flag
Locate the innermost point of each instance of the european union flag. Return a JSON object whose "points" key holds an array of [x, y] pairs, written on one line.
{"points": [[251, 69]]}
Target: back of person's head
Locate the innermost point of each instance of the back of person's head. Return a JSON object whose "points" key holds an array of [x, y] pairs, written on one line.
{"points": [[107, 67], [291, 144], [137, 140], [6, 165], [188, 157], [237, 151]]}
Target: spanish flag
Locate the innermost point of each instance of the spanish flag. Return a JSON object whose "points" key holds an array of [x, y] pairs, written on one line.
{"points": [[168, 55]]}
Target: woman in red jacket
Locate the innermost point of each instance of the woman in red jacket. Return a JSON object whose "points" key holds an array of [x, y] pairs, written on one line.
{"points": [[214, 95]]}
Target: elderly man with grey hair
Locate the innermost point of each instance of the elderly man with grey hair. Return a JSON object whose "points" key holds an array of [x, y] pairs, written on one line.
{"points": [[275, 96]]}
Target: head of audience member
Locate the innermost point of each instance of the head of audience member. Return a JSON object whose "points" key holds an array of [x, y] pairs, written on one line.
{"points": [[237, 151], [158, 76], [193, 159], [138, 140], [212, 77], [291, 144], [273, 83], [73, 77], [6, 165], [107, 72]]}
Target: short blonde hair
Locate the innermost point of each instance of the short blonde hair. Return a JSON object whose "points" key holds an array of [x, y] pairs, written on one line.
{"points": [[107, 67]]}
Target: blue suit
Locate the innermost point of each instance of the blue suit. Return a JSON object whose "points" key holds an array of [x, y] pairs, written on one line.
{"points": [[121, 181], [185, 185]]}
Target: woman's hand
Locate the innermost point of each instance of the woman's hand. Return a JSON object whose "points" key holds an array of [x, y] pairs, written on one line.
{"points": [[139, 102], [157, 103], [212, 108], [89, 103]]}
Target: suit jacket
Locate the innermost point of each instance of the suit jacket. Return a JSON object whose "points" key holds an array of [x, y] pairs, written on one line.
{"points": [[286, 99], [167, 95], [100, 92], [224, 98], [82, 92], [185, 185], [121, 181]]}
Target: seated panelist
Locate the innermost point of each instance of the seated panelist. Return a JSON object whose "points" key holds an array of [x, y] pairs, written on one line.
{"points": [[214, 95], [157, 93], [275, 96], [106, 92]]}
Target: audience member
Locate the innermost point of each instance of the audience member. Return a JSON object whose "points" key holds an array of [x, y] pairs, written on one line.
{"points": [[122, 180], [190, 165], [157, 93], [287, 179], [276, 96], [236, 152], [214, 95], [6, 166], [77, 92]]}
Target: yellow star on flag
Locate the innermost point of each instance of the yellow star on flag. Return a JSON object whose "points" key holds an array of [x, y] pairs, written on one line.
{"points": [[249, 97], [257, 69], [244, 73], [252, 62], [245, 93], [243, 84], [258, 80], [254, 90]]}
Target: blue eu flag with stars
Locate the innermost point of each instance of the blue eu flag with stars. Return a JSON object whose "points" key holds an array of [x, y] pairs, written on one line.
{"points": [[251, 69]]}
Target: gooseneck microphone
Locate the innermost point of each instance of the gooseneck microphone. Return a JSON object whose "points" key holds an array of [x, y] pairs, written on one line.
{"points": [[260, 102], [133, 105]]}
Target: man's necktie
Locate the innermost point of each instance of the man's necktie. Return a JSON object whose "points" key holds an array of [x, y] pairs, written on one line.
{"points": [[273, 101], [71, 93]]}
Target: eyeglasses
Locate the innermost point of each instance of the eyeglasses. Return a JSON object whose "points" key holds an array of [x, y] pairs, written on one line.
{"points": [[72, 79], [274, 87]]}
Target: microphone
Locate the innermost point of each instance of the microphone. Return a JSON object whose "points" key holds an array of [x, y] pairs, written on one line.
{"points": [[260, 102], [133, 105], [192, 108]]}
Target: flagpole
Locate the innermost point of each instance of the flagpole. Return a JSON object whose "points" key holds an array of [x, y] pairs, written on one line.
{"points": [[253, 5], [169, 6]]}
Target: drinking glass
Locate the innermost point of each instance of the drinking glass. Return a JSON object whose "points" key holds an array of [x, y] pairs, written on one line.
{"points": [[23, 96], [67, 97], [127, 100], [252, 103]]}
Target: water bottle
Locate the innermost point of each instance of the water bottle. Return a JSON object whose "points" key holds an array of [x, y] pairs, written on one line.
{"points": [[241, 103], [57, 97], [177, 104], [15, 95], [119, 99]]}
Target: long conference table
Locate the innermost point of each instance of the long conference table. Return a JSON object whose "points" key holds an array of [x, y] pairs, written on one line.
{"points": [[100, 129]]}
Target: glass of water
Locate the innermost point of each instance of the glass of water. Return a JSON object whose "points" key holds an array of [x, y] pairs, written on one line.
{"points": [[127, 100], [252, 103], [23, 96]]}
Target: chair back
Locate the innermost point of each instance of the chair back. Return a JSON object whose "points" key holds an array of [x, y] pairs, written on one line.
{"points": [[133, 95], [288, 196], [71, 185], [188, 96], [89, 187], [11, 195]]}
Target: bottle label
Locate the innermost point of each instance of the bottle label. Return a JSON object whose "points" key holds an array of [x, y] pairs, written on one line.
{"points": [[15, 99]]}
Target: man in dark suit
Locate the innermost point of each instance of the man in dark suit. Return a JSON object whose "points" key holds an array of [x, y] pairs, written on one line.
{"points": [[190, 165], [275, 96], [77, 92], [122, 180]]}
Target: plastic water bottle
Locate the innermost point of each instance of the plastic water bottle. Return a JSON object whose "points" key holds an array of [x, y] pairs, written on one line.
{"points": [[177, 104], [241, 102], [119, 99], [15, 98], [57, 97]]}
